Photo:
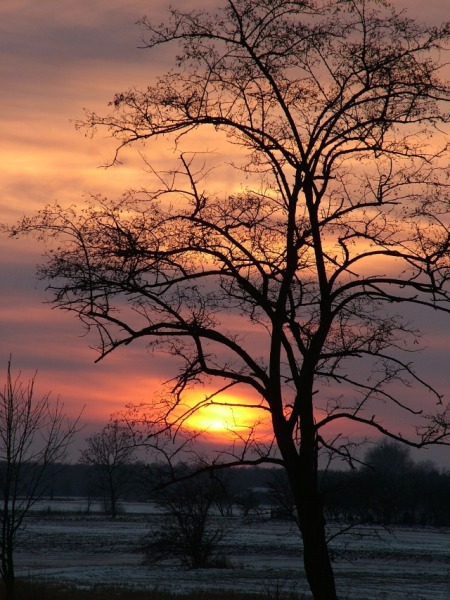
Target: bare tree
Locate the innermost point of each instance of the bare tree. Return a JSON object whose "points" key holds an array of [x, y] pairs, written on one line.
{"points": [[111, 452], [334, 111], [190, 535], [34, 436], [389, 480], [281, 496]]}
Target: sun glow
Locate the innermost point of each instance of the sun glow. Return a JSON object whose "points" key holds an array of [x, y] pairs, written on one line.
{"points": [[225, 416]]}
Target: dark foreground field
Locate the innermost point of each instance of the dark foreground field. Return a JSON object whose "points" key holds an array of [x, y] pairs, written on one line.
{"points": [[39, 591], [94, 557]]}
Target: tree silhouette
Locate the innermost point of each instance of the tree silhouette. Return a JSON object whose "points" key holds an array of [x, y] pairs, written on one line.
{"points": [[333, 111], [189, 534], [390, 474], [110, 452], [34, 436]]}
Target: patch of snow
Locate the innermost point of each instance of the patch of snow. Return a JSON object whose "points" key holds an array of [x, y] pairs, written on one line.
{"points": [[412, 564]]}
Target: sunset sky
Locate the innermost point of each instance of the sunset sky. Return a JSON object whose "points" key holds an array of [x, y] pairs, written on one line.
{"points": [[57, 57]]}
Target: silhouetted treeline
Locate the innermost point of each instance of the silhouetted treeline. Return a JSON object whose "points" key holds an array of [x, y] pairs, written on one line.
{"points": [[387, 488]]}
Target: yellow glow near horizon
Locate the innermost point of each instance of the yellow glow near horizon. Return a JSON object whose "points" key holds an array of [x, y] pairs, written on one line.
{"points": [[226, 414]]}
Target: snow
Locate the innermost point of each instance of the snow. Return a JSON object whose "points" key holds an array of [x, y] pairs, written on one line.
{"points": [[74, 547]]}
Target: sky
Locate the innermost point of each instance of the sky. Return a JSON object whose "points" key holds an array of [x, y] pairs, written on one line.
{"points": [[57, 57]]}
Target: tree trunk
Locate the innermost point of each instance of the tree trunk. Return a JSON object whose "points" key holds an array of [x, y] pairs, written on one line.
{"points": [[318, 569], [301, 469], [9, 589], [317, 562], [8, 573], [112, 495]]}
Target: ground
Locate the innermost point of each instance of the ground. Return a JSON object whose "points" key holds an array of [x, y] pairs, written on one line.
{"points": [[63, 543]]}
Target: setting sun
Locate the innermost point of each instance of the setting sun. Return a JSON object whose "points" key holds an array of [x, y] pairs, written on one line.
{"points": [[225, 415]]}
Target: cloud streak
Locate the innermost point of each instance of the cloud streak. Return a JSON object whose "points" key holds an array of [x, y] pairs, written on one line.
{"points": [[56, 59]]}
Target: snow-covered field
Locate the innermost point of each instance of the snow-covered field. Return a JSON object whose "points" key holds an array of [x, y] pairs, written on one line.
{"points": [[411, 564]]}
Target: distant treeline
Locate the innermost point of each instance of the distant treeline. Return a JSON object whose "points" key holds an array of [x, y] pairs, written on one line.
{"points": [[386, 488]]}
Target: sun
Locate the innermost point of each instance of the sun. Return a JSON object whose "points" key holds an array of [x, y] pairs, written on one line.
{"points": [[216, 417], [225, 415]]}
